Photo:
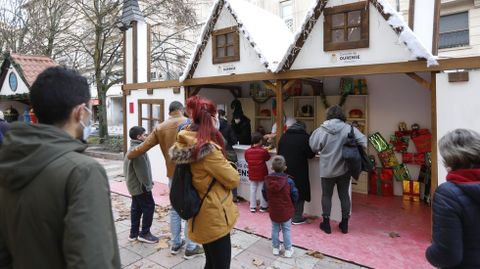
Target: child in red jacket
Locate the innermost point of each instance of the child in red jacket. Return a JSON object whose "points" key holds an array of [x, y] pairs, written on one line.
{"points": [[256, 156]]}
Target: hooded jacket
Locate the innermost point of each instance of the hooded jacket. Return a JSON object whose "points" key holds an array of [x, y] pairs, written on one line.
{"points": [[56, 209], [256, 158], [138, 172], [163, 135], [456, 222], [218, 214], [280, 192], [328, 140]]}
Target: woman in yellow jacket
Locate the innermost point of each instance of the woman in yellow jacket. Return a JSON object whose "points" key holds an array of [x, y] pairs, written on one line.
{"points": [[202, 145]]}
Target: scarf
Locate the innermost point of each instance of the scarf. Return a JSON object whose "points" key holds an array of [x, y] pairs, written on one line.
{"points": [[464, 176]]}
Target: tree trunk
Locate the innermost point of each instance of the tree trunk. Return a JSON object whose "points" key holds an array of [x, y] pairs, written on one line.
{"points": [[102, 113]]}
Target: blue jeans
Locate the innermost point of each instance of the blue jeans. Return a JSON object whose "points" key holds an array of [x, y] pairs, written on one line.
{"points": [[176, 227], [285, 227], [254, 186], [143, 208]]}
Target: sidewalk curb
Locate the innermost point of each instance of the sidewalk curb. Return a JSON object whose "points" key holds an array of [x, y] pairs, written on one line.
{"points": [[94, 152]]}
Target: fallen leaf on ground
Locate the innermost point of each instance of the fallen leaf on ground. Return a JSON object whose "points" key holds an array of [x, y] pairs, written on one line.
{"points": [[315, 254], [236, 246], [249, 230], [162, 244], [393, 234], [257, 262]]}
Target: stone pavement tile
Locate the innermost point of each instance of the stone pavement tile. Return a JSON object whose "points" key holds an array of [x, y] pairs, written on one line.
{"points": [[128, 257], [120, 227], [195, 263], [262, 247], [241, 241], [330, 263], [165, 259], [300, 259], [122, 238], [142, 249], [248, 259], [144, 264]]}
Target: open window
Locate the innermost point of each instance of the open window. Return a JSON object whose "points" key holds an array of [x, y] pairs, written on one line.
{"points": [[346, 27], [226, 45], [150, 113]]}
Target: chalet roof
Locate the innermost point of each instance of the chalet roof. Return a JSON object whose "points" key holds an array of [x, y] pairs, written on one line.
{"points": [[267, 33], [394, 19], [131, 12], [28, 66]]}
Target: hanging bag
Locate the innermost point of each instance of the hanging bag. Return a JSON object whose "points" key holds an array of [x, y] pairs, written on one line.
{"points": [[184, 197], [351, 155]]}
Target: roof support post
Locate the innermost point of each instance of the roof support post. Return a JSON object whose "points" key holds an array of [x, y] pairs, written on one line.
{"points": [[279, 99]]}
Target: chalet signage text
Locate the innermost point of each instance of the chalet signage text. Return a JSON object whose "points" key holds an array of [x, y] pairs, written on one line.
{"points": [[347, 57], [227, 69]]}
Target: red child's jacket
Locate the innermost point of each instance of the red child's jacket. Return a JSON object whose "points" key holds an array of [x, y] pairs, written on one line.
{"points": [[256, 156]]}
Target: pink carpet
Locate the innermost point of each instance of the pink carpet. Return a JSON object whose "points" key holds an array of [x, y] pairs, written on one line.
{"points": [[384, 232]]}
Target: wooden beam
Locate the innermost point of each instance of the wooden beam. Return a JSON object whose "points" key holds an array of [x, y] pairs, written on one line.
{"points": [[279, 118], [271, 86], [374, 69], [436, 27], [289, 84], [434, 168], [135, 51], [420, 80], [411, 14]]}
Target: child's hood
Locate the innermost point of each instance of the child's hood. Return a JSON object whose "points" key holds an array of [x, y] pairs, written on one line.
{"points": [[276, 182]]}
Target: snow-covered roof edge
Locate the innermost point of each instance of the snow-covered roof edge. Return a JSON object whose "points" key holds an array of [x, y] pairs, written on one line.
{"points": [[405, 34], [280, 41], [393, 18], [308, 23], [206, 30]]}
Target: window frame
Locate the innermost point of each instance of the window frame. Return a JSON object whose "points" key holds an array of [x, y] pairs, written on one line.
{"points": [[364, 42], [467, 13], [236, 45], [150, 118]]}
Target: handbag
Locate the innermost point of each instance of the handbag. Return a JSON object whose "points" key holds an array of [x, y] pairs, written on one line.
{"points": [[351, 155]]}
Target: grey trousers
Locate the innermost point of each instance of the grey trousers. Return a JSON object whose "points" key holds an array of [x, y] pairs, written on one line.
{"points": [[298, 210], [343, 184]]}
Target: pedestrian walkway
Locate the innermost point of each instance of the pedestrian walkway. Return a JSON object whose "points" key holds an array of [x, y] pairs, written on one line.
{"points": [[248, 250]]}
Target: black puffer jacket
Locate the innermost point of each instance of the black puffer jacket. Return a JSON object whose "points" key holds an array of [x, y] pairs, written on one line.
{"points": [[456, 222]]}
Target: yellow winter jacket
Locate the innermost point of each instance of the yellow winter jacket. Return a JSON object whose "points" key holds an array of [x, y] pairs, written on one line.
{"points": [[218, 214]]}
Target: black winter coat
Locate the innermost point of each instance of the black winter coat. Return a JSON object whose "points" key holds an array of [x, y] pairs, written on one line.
{"points": [[243, 130], [228, 134], [294, 147], [456, 226]]}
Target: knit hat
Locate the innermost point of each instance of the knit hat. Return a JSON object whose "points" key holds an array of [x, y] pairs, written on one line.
{"points": [[1, 116]]}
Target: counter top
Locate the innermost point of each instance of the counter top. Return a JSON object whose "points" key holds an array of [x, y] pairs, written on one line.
{"points": [[245, 147]]}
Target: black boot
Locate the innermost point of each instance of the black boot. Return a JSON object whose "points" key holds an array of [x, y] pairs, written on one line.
{"points": [[343, 225], [325, 225]]}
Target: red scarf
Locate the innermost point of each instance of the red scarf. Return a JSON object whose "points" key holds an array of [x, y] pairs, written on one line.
{"points": [[464, 176]]}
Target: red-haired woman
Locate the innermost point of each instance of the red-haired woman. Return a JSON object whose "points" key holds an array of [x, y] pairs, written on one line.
{"points": [[202, 145]]}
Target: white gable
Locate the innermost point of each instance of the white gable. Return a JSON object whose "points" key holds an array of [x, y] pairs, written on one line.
{"points": [[249, 59], [264, 40], [385, 46], [21, 86]]}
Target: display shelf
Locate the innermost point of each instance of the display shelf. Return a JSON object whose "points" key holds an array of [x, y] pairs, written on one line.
{"points": [[305, 118], [356, 119], [263, 117]]}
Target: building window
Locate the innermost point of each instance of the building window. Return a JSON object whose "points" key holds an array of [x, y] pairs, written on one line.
{"points": [[226, 45], [454, 31], [150, 113], [346, 27], [286, 13]]}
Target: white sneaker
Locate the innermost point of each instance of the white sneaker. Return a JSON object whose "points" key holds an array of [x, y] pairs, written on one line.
{"points": [[276, 251], [289, 253]]}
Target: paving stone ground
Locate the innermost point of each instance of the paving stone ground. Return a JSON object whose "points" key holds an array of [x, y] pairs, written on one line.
{"points": [[248, 250]]}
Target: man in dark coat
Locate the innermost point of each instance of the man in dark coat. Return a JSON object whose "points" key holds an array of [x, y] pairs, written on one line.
{"points": [[230, 139], [294, 147], [456, 204], [56, 211], [241, 124]]}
